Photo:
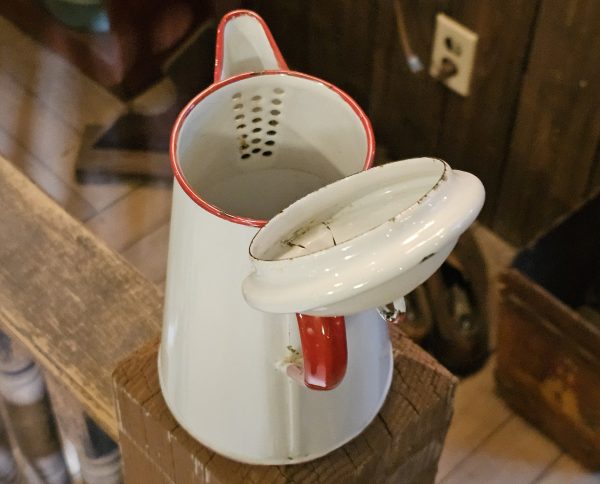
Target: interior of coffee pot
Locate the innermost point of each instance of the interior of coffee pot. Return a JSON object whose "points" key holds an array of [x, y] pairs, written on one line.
{"points": [[252, 147]]}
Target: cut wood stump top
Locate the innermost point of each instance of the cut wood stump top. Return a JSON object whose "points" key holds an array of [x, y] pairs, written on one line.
{"points": [[402, 444]]}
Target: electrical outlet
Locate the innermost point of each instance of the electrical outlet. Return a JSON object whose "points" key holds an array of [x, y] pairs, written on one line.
{"points": [[453, 54]]}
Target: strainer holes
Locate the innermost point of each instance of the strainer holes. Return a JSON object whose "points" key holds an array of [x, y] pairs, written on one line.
{"points": [[256, 150], [256, 98], [239, 117], [256, 140], [236, 96], [241, 126], [257, 120], [270, 142], [245, 156], [244, 136], [273, 122], [256, 110], [278, 90], [275, 112], [276, 101], [245, 146], [267, 153], [271, 132], [257, 130], [238, 106]]}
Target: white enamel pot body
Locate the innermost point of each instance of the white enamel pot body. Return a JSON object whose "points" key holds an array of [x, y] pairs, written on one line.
{"points": [[257, 140]]}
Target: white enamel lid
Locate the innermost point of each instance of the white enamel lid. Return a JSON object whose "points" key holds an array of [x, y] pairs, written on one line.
{"points": [[362, 241]]}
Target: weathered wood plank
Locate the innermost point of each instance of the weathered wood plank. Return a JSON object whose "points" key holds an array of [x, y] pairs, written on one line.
{"points": [[476, 129], [557, 128], [338, 46], [478, 413], [406, 109], [75, 305], [106, 165], [498, 255], [32, 124], [132, 217], [98, 56], [149, 254], [62, 193], [564, 470], [74, 98], [515, 453], [594, 183], [548, 369]]}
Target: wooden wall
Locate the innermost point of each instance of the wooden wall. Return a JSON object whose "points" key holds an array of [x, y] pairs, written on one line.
{"points": [[530, 128]]}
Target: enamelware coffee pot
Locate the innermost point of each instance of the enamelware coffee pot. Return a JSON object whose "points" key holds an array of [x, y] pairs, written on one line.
{"points": [[275, 347]]}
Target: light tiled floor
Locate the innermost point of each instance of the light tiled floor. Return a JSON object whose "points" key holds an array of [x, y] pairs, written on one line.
{"points": [[45, 104]]}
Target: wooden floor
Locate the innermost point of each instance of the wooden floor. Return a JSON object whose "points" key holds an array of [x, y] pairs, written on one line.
{"points": [[45, 104]]}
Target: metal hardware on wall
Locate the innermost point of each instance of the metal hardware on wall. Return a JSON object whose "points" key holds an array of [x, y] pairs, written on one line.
{"points": [[453, 54]]}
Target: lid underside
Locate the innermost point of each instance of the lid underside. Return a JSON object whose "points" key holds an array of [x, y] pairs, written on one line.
{"points": [[360, 239]]}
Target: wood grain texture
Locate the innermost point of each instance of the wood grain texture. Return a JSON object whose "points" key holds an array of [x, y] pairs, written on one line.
{"points": [[149, 254], [325, 39], [547, 367], [106, 165], [74, 98], [557, 129], [129, 219], [39, 76], [403, 442], [405, 108], [338, 49], [478, 413], [61, 192], [564, 469], [476, 129], [76, 306], [594, 182], [530, 127], [99, 58], [516, 453], [497, 254], [288, 22], [27, 119]]}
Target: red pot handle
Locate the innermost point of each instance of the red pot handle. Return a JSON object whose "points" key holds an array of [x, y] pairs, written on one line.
{"points": [[231, 57], [324, 350]]}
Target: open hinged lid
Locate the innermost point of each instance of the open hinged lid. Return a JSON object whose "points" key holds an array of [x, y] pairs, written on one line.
{"points": [[362, 241]]}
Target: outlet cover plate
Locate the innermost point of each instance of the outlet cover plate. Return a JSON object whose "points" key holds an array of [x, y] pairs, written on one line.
{"points": [[457, 43]]}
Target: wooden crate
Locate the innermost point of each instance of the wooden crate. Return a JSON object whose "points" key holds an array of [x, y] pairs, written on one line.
{"points": [[548, 362]]}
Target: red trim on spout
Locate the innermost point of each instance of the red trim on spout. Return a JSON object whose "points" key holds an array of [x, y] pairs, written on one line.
{"points": [[221, 41], [196, 101]]}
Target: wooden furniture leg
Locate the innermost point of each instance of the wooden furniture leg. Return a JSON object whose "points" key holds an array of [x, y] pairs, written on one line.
{"points": [[29, 413]]}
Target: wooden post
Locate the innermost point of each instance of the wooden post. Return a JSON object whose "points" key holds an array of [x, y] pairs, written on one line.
{"points": [[9, 472], [98, 454], [29, 413], [402, 444]]}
